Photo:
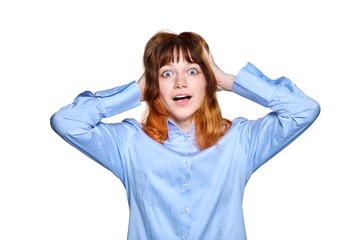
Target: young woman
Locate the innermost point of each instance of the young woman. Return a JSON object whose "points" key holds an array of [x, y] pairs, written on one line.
{"points": [[185, 167]]}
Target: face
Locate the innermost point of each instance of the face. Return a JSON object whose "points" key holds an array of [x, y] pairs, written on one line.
{"points": [[182, 90]]}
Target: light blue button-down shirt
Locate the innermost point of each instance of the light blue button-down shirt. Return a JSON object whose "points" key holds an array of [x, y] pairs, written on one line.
{"points": [[175, 190]]}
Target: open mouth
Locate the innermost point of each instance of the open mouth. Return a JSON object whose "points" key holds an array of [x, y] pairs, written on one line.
{"points": [[181, 98]]}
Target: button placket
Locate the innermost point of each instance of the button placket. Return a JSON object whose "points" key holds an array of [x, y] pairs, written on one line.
{"points": [[185, 198]]}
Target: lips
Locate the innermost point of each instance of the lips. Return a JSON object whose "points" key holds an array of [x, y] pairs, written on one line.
{"points": [[182, 99]]}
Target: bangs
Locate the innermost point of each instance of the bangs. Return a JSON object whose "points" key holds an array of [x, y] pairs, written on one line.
{"points": [[188, 47]]}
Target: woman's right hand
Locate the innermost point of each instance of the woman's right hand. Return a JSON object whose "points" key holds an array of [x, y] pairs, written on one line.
{"points": [[141, 83]]}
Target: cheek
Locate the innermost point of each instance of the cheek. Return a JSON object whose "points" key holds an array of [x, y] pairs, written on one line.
{"points": [[163, 91], [202, 89]]}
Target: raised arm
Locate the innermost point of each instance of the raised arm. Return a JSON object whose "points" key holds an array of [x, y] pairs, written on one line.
{"points": [[292, 112], [80, 123]]}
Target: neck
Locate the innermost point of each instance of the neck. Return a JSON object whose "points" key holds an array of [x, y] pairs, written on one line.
{"points": [[185, 126]]}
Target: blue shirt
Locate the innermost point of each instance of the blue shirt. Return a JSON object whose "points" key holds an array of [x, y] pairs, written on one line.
{"points": [[175, 190]]}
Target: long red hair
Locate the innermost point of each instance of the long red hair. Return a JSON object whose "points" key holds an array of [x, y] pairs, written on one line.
{"points": [[161, 49]]}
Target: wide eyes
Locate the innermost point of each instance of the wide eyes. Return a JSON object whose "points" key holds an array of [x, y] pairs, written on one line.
{"points": [[168, 73], [192, 71]]}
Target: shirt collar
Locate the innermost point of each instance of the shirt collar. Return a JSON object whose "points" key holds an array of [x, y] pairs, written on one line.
{"points": [[175, 131]]}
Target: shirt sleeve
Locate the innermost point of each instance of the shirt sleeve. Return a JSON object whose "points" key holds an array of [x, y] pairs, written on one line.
{"points": [[80, 123], [292, 112]]}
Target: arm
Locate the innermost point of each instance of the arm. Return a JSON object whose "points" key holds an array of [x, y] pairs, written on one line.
{"points": [[292, 111], [80, 123]]}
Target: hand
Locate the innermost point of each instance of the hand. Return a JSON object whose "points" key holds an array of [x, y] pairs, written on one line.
{"points": [[141, 83], [224, 81]]}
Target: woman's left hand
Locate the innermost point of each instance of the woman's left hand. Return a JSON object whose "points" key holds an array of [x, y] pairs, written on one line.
{"points": [[224, 81]]}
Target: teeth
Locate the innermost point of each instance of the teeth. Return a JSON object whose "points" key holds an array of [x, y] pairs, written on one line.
{"points": [[181, 97]]}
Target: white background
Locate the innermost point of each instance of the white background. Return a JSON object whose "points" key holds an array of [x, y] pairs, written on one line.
{"points": [[52, 50]]}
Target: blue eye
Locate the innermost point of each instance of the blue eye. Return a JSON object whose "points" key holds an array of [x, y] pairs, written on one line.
{"points": [[167, 74], [193, 71]]}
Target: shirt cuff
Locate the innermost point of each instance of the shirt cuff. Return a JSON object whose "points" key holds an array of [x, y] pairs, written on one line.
{"points": [[252, 84], [120, 99]]}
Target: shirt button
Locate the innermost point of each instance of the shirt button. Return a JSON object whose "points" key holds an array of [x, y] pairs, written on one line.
{"points": [[186, 210], [186, 235], [186, 185]]}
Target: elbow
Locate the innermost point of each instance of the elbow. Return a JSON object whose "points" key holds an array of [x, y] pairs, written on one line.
{"points": [[62, 125], [313, 111], [56, 123], [68, 127]]}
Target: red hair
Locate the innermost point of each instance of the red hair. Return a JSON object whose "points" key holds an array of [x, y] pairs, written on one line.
{"points": [[161, 49]]}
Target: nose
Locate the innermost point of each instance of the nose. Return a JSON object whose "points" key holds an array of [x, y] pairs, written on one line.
{"points": [[180, 82]]}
